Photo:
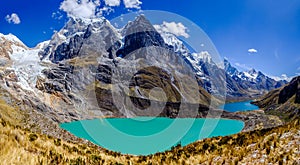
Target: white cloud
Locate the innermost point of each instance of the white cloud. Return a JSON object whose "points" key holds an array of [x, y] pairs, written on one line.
{"points": [[242, 66], [252, 50], [282, 77], [132, 4], [13, 18], [177, 29], [298, 68], [57, 15], [84, 8], [91, 8], [285, 77], [112, 2], [105, 10]]}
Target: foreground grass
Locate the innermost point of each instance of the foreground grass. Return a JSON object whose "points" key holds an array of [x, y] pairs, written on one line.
{"points": [[18, 146], [280, 145]]}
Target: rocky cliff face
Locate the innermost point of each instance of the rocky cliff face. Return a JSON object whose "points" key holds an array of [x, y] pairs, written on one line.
{"points": [[85, 58], [81, 38], [139, 34], [284, 102]]}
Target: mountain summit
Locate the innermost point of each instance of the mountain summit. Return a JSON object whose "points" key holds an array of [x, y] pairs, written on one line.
{"points": [[138, 34]]}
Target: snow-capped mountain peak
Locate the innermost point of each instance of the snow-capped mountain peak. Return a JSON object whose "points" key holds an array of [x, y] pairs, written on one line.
{"points": [[23, 61], [251, 74], [9, 45], [42, 45], [252, 79], [12, 38], [171, 40], [204, 56]]}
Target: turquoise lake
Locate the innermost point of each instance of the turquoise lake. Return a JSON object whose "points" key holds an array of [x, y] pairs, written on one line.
{"points": [[239, 106], [146, 135]]}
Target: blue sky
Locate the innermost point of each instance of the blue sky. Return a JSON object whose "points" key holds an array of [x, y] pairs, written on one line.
{"points": [[271, 27]]}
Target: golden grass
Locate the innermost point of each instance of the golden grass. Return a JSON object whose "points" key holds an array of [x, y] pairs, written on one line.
{"points": [[20, 146], [11, 113]]}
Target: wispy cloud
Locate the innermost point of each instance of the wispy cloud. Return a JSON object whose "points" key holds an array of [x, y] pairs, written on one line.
{"points": [[57, 15], [276, 54], [242, 66], [282, 77], [252, 50], [177, 29], [13, 18], [298, 68]]}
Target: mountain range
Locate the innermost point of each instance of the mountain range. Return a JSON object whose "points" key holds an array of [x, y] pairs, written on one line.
{"points": [[70, 77]]}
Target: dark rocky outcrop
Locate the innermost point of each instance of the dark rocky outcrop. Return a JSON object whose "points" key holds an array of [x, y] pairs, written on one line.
{"points": [[289, 91], [68, 50], [138, 34], [284, 102]]}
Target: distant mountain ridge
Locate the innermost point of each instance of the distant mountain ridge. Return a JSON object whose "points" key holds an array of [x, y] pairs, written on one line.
{"points": [[238, 84], [252, 79]]}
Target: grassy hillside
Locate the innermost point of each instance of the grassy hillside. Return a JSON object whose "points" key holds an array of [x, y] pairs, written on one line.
{"points": [[278, 145], [22, 143]]}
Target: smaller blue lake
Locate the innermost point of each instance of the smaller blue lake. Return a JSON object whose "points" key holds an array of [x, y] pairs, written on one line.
{"points": [[239, 106]]}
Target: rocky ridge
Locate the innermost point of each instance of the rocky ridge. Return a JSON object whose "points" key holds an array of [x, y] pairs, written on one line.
{"points": [[284, 102]]}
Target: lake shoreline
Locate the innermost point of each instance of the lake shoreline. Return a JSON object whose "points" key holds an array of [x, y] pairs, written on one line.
{"points": [[253, 119], [120, 133]]}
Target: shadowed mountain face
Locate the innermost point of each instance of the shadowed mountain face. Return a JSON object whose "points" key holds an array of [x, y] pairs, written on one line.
{"points": [[284, 102], [138, 34], [81, 38], [289, 91]]}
